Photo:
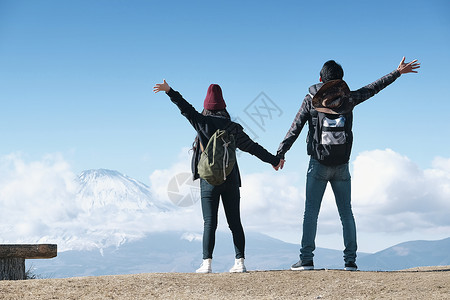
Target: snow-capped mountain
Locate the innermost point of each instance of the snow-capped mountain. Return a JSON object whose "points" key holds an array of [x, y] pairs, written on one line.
{"points": [[171, 251], [175, 251], [103, 188]]}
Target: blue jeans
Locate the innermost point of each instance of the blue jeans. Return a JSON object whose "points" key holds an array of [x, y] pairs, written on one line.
{"points": [[317, 178], [210, 195]]}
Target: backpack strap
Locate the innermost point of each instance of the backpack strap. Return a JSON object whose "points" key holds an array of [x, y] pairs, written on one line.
{"points": [[226, 158], [227, 127]]}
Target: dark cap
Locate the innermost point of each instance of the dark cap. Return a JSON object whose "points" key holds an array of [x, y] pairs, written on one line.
{"points": [[214, 99]]}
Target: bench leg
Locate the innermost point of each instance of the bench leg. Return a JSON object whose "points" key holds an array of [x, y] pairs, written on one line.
{"points": [[12, 268]]}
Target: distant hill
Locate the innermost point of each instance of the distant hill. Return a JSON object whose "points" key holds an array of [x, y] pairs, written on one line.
{"points": [[408, 255], [178, 252], [181, 252]]}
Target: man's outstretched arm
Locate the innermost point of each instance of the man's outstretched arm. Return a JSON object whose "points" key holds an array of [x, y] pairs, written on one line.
{"points": [[370, 90]]}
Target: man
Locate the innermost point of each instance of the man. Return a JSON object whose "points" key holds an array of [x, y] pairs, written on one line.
{"points": [[329, 144]]}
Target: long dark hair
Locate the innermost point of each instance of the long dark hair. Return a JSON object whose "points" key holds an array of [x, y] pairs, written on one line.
{"points": [[206, 112]]}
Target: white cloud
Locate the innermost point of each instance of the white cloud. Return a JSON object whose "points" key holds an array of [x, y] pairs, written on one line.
{"points": [[40, 203], [268, 200], [271, 201], [35, 197], [189, 236], [162, 182], [160, 179], [391, 195], [442, 164]]}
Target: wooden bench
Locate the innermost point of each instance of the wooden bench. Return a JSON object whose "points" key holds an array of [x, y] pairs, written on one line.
{"points": [[12, 258]]}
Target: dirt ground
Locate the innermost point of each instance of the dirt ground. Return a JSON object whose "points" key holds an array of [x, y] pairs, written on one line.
{"points": [[419, 283]]}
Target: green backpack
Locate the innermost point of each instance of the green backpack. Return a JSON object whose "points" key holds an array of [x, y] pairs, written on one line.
{"points": [[218, 158]]}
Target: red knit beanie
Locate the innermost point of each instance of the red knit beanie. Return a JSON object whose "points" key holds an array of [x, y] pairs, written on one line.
{"points": [[214, 99]]}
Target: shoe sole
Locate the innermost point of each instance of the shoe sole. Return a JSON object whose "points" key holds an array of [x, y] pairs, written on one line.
{"points": [[238, 271], [303, 268], [203, 272], [350, 269]]}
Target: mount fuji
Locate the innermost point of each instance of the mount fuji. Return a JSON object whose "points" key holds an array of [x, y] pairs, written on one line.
{"points": [[107, 209], [101, 188], [120, 227]]}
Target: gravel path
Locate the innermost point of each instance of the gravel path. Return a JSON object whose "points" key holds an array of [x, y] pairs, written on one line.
{"points": [[420, 283]]}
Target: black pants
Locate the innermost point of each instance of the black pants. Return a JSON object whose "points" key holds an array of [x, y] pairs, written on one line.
{"points": [[229, 191]]}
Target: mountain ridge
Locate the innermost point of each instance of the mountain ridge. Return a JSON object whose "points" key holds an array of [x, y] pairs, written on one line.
{"points": [[181, 252], [115, 249]]}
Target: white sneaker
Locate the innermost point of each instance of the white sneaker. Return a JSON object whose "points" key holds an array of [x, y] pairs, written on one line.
{"points": [[239, 266], [205, 267]]}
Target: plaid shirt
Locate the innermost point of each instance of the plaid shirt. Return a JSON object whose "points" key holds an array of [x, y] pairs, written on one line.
{"points": [[304, 113]]}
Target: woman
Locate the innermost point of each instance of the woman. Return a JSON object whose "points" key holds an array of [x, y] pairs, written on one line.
{"points": [[213, 117]]}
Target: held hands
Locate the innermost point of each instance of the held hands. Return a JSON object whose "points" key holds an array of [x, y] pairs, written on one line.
{"points": [[280, 165], [161, 87], [410, 67]]}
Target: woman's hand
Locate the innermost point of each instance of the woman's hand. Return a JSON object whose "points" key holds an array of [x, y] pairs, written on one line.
{"points": [[161, 87], [280, 165]]}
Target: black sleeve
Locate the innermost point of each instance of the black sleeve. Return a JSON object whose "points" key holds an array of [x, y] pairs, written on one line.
{"points": [[373, 88], [296, 127], [245, 143], [196, 119]]}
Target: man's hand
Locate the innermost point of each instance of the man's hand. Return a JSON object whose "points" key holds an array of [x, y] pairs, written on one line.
{"points": [[161, 87], [410, 67], [280, 165]]}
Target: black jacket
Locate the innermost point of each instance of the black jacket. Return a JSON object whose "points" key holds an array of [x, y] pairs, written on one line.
{"points": [[207, 125], [307, 113]]}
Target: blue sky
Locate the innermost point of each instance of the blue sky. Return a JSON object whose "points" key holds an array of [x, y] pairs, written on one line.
{"points": [[76, 77]]}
